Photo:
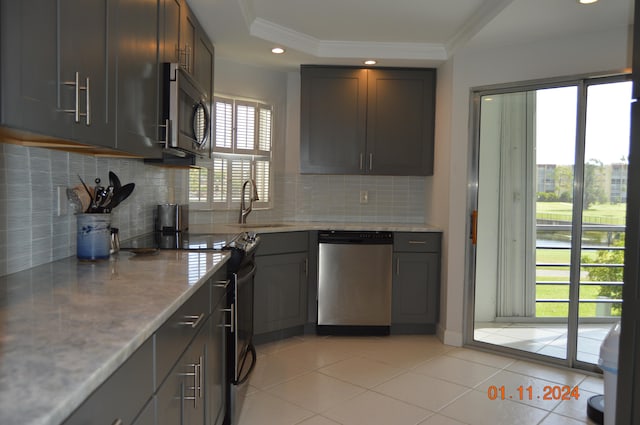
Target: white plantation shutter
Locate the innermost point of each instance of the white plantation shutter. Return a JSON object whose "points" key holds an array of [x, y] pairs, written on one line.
{"points": [[198, 185], [223, 123], [264, 129], [245, 126], [263, 178], [240, 172], [220, 178], [243, 143]]}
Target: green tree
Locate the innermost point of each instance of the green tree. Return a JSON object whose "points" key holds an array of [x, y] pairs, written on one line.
{"points": [[608, 274], [594, 183]]}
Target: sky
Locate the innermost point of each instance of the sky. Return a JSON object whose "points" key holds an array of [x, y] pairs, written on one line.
{"points": [[608, 123]]}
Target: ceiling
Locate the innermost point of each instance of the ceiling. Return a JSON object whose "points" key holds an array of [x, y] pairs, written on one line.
{"points": [[414, 33]]}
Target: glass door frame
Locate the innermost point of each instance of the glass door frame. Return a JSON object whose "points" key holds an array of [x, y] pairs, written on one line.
{"points": [[582, 83]]}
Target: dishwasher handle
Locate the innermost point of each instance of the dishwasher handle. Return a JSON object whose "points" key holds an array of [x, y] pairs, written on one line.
{"points": [[355, 237]]}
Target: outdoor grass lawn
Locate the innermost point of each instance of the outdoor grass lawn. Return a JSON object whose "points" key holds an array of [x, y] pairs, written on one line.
{"points": [[601, 213]]}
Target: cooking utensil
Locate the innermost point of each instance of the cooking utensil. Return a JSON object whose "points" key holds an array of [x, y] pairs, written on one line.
{"points": [[119, 196], [114, 181], [88, 191]]}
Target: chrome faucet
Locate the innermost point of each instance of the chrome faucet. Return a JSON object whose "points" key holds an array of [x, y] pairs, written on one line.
{"points": [[244, 210]]}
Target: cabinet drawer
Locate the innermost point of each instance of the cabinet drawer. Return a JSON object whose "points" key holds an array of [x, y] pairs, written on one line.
{"points": [[121, 396], [175, 334], [416, 242], [281, 243]]}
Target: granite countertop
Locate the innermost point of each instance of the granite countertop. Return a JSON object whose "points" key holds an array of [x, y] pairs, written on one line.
{"points": [[68, 325], [293, 226]]}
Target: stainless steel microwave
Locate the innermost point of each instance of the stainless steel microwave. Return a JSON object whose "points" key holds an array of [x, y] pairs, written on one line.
{"points": [[185, 113]]}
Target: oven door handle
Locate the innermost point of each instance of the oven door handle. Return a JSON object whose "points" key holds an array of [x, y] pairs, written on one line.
{"points": [[243, 379]]}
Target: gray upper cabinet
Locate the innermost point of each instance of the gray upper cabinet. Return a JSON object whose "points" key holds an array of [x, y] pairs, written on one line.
{"points": [[87, 70], [28, 67], [203, 62], [400, 121], [333, 117], [169, 31], [188, 36], [138, 78], [367, 121]]}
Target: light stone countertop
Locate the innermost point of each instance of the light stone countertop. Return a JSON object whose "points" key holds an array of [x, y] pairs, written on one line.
{"points": [[66, 326], [294, 226]]}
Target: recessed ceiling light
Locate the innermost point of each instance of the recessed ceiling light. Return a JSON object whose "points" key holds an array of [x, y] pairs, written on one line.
{"points": [[277, 50], [370, 62], [587, 1]]}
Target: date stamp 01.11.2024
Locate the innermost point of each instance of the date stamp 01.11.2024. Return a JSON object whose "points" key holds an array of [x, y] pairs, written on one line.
{"points": [[548, 392]]}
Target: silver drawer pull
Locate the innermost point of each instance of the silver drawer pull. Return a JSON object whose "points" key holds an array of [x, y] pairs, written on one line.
{"points": [[231, 318], [222, 283], [417, 242], [192, 321]]}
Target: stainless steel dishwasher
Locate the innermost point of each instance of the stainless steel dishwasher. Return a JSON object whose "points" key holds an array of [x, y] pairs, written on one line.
{"points": [[354, 282]]}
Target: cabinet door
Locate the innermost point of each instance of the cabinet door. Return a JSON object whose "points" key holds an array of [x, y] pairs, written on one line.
{"points": [[169, 399], [203, 68], [28, 67], [169, 34], [333, 120], [148, 414], [415, 292], [86, 48], [400, 122], [216, 364], [123, 395], [188, 25], [137, 70], [194, 369], [280, 292]]}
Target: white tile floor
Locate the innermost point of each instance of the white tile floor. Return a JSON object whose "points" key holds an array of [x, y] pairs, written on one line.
{"points": [[403, 380], [547, 339]]}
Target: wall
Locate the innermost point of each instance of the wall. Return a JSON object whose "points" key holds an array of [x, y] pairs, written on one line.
{"points": [[31, 232], [310, 197], [469, 68]]}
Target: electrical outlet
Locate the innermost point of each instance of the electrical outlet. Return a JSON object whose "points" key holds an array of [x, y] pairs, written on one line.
{"points": [[364, 196], [62, 203]]}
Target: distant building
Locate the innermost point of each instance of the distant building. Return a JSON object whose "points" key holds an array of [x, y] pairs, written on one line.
{"points": [[546, 178], [618, 183]]}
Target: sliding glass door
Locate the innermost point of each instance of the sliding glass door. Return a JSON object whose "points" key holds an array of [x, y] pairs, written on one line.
{"points": [[549, 205]]}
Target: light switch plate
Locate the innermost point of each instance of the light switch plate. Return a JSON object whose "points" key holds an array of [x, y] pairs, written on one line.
{"points": [[364, 196]]}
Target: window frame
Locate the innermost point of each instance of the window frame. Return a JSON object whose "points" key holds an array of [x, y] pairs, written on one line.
{"points": [[255, 155]]}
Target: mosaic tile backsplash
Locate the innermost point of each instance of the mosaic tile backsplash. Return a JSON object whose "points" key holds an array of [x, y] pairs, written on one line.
{"points": [[32, 232], [336, 198]]}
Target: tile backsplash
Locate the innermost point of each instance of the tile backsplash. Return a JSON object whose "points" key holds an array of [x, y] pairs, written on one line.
{"points": [[32, 232], [336, 198]]}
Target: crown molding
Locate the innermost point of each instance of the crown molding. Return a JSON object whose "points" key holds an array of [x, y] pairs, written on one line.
{"points": [[284, 36]]}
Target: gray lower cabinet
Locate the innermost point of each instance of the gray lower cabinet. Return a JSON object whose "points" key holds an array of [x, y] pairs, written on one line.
{"points": [[416, 282], [177, 377], [123, 396], [281, 282]]}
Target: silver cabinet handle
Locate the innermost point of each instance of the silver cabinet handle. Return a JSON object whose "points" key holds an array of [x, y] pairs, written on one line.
{"points": [[361, 161], [306, 267], [370, 162], [231, 318], [197, 381], [222, 283], [417, 242], [398, 266], [76, 110], [87, 114], [192, 321]]}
